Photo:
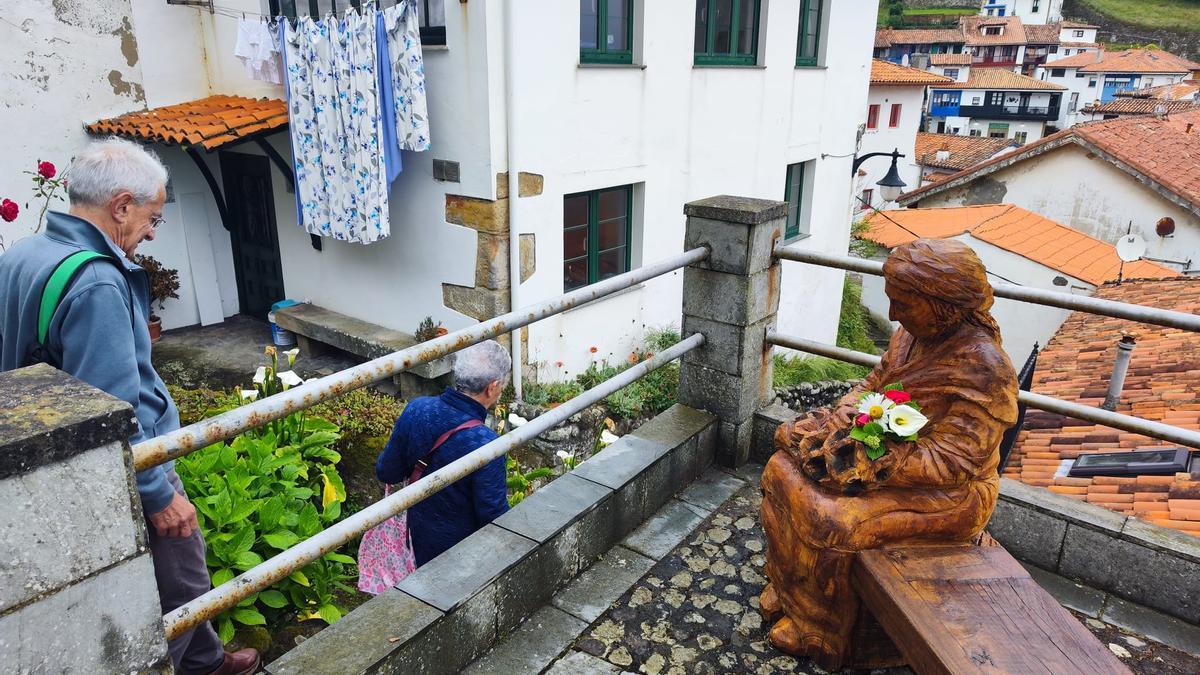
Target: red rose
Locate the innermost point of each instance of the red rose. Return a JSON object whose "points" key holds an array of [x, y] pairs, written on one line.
{"points": [[897, 396], [9, 210], [46, 169], [863, 420]]}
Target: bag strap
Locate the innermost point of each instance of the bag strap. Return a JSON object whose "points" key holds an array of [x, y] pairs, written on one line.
{"points": [[56, 286], [423, 464]]}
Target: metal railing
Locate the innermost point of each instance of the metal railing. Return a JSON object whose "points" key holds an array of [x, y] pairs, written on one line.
{"points": [[1111, 308], [227, 425]]}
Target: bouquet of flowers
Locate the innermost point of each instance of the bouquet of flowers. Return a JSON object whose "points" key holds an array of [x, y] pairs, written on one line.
{"points": [[890, 415]]}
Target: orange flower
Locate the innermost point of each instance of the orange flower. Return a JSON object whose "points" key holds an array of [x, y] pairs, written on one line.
{"points": [[593, 350], [633, 358], [647, 356]]}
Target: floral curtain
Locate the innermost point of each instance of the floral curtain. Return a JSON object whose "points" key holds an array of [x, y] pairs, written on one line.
{"points": [[408, 74]]}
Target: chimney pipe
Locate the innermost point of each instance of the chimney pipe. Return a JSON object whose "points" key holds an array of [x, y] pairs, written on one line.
{"points": [[1120, 366]]}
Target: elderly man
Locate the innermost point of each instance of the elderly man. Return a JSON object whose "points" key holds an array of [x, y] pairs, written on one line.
{"points": [[98, 333], [437, 430]]}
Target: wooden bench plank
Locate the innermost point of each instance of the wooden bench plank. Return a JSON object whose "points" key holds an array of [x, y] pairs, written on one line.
{"points": [[967, 609]]}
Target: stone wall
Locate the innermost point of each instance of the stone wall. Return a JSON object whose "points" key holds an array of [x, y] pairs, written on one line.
{"points": [[1179, 42], [809, 395]]}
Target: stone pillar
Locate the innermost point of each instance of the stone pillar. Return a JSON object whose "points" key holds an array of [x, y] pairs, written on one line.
{"points": [[77, 589], [731, 298]]}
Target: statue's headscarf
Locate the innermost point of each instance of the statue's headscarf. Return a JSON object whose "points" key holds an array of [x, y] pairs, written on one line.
{"points": [[945, 270]]}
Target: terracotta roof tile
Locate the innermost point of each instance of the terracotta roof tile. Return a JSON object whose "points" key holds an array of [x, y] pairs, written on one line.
{"points": [[918, 36], [1019, 231], [1042, 34], [1071, 364], [210, 122], [1141, 106], [1013, 33], [1127, 61], [951, 59], [887, 73], [1000, 78]]}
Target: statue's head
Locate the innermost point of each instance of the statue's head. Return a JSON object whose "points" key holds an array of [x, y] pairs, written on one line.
{"points": [[935, 285]]}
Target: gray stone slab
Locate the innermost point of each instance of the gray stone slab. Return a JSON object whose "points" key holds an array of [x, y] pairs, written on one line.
{"points": [[1157, 626], [580, 663], [712, 489], [728, 348], [675, 425], [451, 643], [533, 580], [726, 396], [731, 298], [664, 530], [108, 623], [64, 521], [1137, 573], [1029, 534], [451, 578], [751, 472], [744, 210], [737, 248], [365, 638], [733, 442], [540, 640], [1158, 538], [602, 584], [553, 508], [1062, 507], [766, 422], [622, 461], [84, 418], [1069, 593]]}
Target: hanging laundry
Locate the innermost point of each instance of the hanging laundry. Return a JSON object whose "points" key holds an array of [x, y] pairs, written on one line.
{"points": [[408, 75], [258, 50], [336, 127], [387, 98]]}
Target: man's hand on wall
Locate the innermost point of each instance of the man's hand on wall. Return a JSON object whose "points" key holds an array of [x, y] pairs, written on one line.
{"points": [[177, 520]]}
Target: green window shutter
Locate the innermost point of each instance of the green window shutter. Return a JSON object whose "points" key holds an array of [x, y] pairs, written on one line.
{"points": [[809, 43], [727, 32], [597, 24]]}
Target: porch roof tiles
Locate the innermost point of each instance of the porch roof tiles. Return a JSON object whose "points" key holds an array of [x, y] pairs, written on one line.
{"points": [[208, 122]]}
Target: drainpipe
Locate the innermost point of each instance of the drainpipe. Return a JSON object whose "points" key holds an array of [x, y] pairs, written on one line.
{"points": [[514, 240], [1117, 383]]}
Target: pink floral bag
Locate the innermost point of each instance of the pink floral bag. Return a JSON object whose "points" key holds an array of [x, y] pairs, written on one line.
{"points": [[385, 555]]}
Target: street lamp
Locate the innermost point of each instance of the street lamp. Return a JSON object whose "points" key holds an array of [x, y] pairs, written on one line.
{"points": [[891, 185]]}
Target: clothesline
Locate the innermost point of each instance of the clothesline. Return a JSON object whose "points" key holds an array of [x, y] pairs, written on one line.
{"points": [[236, 13]]}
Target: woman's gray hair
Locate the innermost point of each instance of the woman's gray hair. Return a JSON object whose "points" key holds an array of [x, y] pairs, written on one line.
{"points": [[479, 365], [107, 168]]}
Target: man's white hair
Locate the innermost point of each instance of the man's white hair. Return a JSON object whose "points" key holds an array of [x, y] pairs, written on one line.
{"points": [[107, 168], [479, 365]]}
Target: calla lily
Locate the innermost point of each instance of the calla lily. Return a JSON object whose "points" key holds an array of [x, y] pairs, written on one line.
{"points": [[260, 375], [563, 455], [608, 438], [516, 420], [248, 394], [904, 420], [291, 355], [875, 405], [290, 378]]}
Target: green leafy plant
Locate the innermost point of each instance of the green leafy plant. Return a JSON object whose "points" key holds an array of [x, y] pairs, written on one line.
{"points": [[427, 329], [519, 482], [164, 281]]}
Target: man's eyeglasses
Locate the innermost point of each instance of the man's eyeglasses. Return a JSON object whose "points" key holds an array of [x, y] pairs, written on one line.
{"points": [[156, 221]]}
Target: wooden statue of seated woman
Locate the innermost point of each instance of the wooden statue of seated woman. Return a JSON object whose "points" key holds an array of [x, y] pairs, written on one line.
{"points": [[824, 499]]}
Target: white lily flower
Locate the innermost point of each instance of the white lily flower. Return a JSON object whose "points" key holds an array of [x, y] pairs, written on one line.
{"points": [[248, 394], [260, 375], [291, 355], [563, 455], [905, 420], [290, 378], [875, 406], [516, 420], [608, 438]]}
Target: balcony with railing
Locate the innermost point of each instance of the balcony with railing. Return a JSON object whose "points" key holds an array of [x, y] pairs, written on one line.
{"points": [[1014, 111]]}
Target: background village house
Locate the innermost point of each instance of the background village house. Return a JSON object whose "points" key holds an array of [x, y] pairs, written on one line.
{"points": [[613, 134]]}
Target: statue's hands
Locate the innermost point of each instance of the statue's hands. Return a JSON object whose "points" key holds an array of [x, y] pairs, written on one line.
{"points": [[846, 463]]}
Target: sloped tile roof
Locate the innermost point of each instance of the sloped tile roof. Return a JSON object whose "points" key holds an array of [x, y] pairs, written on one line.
{"points": [[1127, 61], [1162, 384], [917, 36], [950, 59], [1013, 33], [1141, 106], [1076, 24], [1018, 231], [1001, 78], [964, 151], [887, 73], [1165, 152], [1176, 91], [1042, 34], [208, 122]]}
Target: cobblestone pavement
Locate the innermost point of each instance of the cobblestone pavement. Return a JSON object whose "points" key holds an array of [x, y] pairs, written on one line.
{"points": [[696, 611]]}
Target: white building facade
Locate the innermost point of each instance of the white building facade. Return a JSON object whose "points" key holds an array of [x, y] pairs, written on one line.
{"points": [[994, 103], [1030, 11], [614, 141], [1095, 77]]}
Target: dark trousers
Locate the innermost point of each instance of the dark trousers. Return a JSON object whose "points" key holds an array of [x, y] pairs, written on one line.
{"points": [[182, 576]]}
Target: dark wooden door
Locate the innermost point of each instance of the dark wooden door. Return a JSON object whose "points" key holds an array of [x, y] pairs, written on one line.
{"points": [[251, 203]]}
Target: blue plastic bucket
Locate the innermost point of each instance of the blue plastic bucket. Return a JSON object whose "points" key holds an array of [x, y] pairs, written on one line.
{"points": [[281, 336]]}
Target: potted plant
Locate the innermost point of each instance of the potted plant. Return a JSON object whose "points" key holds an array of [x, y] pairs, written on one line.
{"points": [[428, 330], [164, 284]]}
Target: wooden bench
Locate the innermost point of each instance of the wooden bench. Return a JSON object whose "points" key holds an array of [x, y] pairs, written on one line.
{"points": [[974, 609], [316, 327]]}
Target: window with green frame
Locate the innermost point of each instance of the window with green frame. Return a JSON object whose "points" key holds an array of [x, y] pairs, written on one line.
{"points": [[727, 32], [809, 44], [606, 31], [597, 228], [793, 194]]}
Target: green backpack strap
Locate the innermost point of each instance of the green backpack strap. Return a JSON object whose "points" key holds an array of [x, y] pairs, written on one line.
{"points": [[56, 286]]}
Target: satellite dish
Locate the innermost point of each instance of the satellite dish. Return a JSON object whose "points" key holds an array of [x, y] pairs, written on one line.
{"points": [[1131, 247]]}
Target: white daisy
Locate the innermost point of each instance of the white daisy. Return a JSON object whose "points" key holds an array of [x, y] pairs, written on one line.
{"points": [[875, 405]]}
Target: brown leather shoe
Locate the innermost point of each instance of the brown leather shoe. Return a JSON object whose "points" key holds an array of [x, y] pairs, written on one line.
{"points": [[241, 662]]}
